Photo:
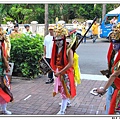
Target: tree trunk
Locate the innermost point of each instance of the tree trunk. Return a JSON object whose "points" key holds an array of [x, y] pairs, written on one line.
{"points": [[46, 20], [61, 11], [103, 11], [0, 17]]}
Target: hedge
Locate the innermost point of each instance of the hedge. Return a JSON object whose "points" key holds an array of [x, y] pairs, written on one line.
{"points": [[25, 54]]}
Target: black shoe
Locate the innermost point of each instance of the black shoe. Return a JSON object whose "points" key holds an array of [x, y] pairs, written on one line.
{"points": [[93, 41], [51, 80]]}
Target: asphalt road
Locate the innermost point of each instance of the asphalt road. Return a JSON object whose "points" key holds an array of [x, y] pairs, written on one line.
{"points": [[93, 56]]}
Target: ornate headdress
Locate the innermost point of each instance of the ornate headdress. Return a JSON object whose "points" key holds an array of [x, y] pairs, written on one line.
{"points": [[60, 32], [115, 35]]}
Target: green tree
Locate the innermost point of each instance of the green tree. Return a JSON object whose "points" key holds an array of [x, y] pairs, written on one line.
{"points": [[25, 13]]}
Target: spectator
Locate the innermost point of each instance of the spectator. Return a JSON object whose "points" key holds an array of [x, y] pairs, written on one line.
{"points": [[95, 31], [75, 24], [16, 32], [48, 44], [9, 29], [27, 30], [84, 31]]}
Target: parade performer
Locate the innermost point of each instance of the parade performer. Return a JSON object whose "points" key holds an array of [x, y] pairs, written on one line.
{"points": [[5, 94], [72, 42], [62, 63], [111, 55], [114, 79]]}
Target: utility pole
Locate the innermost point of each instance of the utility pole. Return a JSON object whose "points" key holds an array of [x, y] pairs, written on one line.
{"points": [[46, 20], [103, 10]]}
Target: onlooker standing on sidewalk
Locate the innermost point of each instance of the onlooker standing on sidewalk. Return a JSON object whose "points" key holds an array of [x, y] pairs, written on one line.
{"points": [[27, 30], [48, 44], [9, 29], [95, 31], [84, 31], [16, 32]]}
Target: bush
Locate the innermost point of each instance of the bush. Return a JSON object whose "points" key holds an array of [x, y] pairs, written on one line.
{"points": [[25, 54]]}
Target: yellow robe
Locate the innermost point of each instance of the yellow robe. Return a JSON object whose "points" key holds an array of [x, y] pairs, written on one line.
{"points": [[77, 73]]}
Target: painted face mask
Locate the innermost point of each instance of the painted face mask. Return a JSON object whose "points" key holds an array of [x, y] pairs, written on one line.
{"points": [[59, 43], [116, 46]]}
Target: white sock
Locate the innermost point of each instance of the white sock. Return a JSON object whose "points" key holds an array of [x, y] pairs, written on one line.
{"points": [[4, 106], [68, 101], [64, 105], [4, 109]]}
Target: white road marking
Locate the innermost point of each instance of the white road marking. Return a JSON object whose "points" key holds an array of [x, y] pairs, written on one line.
{"points": [[27, 97], [94, 77]]}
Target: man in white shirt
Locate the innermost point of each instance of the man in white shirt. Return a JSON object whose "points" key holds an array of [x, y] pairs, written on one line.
{"points": [[48, 44]]}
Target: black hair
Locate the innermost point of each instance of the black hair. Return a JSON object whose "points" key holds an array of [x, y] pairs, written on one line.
{"points": [[74, 47], [26, 26], [16, 25]]}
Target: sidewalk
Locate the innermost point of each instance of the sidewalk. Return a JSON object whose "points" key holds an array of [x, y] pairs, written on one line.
{"points": [[35, 98]]}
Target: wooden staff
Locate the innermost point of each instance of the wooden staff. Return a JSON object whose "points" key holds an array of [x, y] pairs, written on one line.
{"points": [[86, 32]]}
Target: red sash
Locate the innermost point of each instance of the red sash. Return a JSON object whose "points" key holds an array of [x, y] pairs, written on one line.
{"points": [[5, 52], [109, 53]]}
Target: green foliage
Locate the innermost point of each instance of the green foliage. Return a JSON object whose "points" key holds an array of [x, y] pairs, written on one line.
{"points": [[25, 53], [26, 13]]}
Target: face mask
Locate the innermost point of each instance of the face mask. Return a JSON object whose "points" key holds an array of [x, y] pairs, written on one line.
{"points": [[59, 43], [116, 46]]}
